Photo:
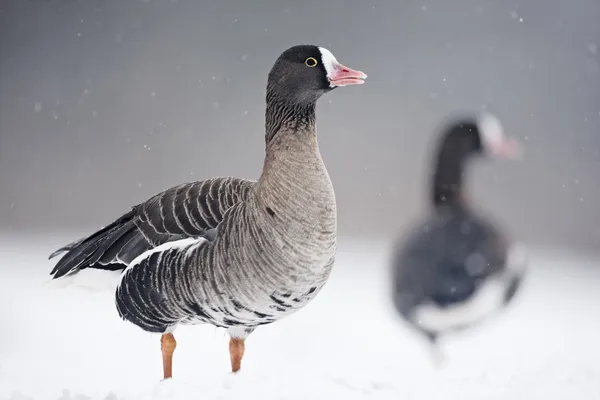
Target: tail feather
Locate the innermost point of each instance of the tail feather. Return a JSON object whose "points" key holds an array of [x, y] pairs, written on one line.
{"points": [[126, 217], [89, 250], [66, 247]]}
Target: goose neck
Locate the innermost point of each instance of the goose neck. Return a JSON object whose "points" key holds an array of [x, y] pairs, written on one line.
{"points": [[447, 181], [283, 117]]}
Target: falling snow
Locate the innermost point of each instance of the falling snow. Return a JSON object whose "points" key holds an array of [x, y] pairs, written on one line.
{"points": [[515, 15]]}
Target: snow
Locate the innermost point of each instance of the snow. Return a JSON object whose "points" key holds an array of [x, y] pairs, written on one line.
{"points": [[64, 340]]}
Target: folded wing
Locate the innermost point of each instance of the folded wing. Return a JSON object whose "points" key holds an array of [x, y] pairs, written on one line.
{"points": [[185, 211]]}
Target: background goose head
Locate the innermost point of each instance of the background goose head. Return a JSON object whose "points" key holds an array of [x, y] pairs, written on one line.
{"points": [[304, 73], [461, 140], [482, 135]]}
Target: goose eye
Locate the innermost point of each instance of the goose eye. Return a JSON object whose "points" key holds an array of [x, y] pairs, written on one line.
{"points": [[311, 62]]}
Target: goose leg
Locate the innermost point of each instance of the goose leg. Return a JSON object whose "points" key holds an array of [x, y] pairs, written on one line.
{"points": [[167, 346], [236, 352], [438, 356], [237, 346]]}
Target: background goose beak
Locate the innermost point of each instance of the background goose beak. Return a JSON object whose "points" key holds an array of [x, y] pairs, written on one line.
{"points": [[343, 76], [508, 147]]}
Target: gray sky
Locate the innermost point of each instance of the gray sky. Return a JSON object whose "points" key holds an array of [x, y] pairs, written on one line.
{"points": [[103, 104]]}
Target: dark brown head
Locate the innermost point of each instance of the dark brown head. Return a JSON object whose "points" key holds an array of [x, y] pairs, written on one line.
{"points": [[483, 135], [461, 140], [304, 73]]}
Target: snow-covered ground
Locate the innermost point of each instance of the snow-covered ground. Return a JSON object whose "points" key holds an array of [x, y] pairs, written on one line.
{"points": [[69, 344]]}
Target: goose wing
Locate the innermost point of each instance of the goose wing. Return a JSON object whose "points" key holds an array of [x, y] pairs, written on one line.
{"points": [[445, 259], [188, 210]]}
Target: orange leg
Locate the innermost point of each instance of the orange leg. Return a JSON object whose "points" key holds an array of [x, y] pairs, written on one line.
{"points": [[236, 352], [167, 346]]}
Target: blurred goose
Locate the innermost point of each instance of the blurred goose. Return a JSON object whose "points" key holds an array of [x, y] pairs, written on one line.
{"points": [[231, 252], [456, 268]]}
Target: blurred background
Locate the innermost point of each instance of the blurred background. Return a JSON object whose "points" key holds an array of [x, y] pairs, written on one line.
{"points": [[103, 104]]}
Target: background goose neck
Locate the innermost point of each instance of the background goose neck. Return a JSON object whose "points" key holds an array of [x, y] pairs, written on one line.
{"points": [[447, 183]]}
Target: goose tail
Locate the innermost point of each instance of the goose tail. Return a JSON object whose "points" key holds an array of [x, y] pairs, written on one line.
{"points": [[89, 250]]}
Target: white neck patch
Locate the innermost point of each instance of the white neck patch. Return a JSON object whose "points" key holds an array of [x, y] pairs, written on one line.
{"points": [[490, 128], [329, 61]]}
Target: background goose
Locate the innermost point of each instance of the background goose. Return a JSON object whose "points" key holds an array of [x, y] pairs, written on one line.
{"points": [[456, 267], [230, 252]]}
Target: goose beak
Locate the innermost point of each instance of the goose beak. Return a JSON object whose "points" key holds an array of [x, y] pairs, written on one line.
{"points": [[342, 76], [507, 147]]}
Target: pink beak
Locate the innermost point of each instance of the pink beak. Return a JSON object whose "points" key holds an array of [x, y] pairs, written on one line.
{"points": [[342, 76], [509, 148]]}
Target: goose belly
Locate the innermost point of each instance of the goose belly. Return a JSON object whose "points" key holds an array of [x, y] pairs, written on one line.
{"points": [[259, 296], [258, 288], [231, 311]]}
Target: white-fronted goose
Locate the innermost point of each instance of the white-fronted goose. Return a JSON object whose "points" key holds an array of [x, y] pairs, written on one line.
{"points": [[231, 252], [457, 267]]}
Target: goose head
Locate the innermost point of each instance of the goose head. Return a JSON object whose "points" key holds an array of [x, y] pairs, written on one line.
{"points": [[304, 73], [482, 135], [493, 138]]}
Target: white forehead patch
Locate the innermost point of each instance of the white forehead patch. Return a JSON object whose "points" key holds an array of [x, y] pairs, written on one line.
{"points": [[329, 60], [490, 128]]}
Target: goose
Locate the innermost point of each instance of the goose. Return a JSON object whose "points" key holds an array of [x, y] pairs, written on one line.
{"points": [[456, 267], [227, 251]]}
